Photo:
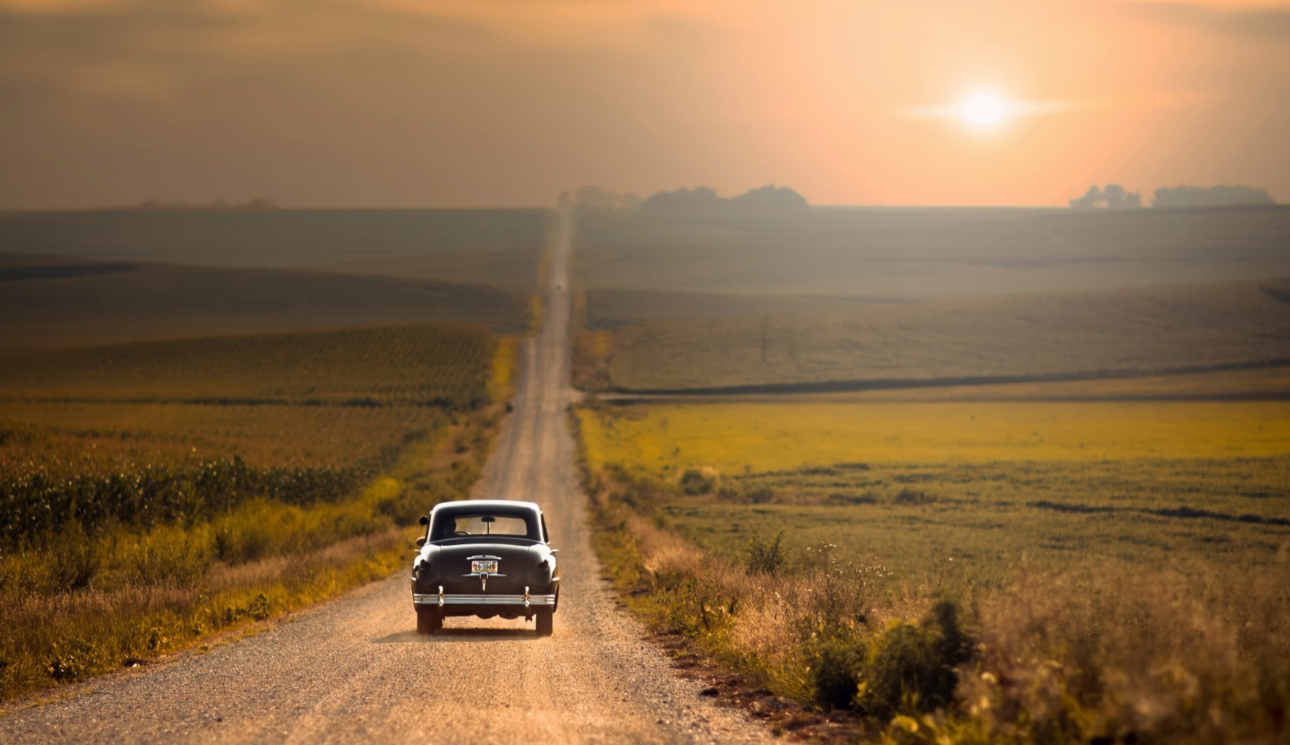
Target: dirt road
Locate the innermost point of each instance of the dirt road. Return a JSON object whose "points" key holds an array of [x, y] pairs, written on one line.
{"points": [[355, 671]]}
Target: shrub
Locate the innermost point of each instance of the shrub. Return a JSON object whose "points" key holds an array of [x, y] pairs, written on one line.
{"points": [[911, 667], [836, 669], [695, 482], [766, 556], [70, 661], [913, 496], [816, 559]]}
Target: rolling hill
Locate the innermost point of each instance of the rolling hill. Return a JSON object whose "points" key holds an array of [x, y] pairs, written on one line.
{"points": [[1055, 336], [59, 301]]}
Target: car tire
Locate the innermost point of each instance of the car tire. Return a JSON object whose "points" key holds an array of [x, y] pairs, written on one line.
{"points": [[428, 621], [545, 618]]}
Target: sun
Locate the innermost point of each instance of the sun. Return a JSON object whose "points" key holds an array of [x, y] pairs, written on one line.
{"points": [[983, 110]]}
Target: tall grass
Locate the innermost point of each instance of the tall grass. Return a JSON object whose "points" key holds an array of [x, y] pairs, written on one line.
{"points": [[51, 639], [1104, 653], [87, 597]]}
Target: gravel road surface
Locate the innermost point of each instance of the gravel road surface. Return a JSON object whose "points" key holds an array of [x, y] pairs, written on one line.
{"points": [[354, 670]]}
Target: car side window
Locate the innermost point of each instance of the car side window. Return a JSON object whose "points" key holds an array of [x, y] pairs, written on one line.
{"points": [[546, 535]]}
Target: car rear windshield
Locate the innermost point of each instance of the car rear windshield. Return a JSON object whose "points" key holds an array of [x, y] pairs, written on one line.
{"points": [[478, 524]]}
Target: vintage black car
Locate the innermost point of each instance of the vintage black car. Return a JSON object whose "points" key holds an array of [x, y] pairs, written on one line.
{"points": [[485, 558]]}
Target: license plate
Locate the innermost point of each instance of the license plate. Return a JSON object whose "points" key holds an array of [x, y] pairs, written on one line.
{"points": [[483, 567]]}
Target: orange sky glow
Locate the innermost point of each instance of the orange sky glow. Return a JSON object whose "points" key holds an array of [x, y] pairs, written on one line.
{"points": [[418, 103]]}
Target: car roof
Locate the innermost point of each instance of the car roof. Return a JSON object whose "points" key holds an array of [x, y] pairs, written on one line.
{"points": [[508, 505]]}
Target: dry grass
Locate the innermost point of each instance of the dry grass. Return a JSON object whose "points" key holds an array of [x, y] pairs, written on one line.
{"points": [[1092, 600], [1095, 653], [62, 638], [501, 383], [1117, 655], [592, 351]]}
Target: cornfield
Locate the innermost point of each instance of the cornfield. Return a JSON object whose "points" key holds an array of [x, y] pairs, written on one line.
{"points": [[435, 365]]}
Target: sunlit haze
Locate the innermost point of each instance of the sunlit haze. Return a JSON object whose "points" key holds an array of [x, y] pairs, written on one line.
{"points": [[983, 110], [492, 102]]}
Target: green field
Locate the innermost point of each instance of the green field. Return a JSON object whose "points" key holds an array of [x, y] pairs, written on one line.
{"points": [[990, 485], [1072, 558]]}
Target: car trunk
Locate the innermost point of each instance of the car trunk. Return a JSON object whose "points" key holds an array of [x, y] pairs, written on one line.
{"points": [[512, 561]]}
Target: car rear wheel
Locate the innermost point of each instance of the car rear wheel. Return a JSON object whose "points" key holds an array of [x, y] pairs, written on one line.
{"points": [[428, 621], [545, 621]]}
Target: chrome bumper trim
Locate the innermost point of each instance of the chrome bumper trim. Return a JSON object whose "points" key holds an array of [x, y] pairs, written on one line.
{"points": [[520, 600]]}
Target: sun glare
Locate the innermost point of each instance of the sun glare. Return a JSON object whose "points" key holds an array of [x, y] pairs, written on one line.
{"points": [[983, 110]]}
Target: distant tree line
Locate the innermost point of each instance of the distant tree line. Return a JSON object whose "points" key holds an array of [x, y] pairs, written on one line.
{"points": [[1116, 197], [1214, 196], [1113, 197], [258, 203], [596, 199], [765, 198], [701, 199]]}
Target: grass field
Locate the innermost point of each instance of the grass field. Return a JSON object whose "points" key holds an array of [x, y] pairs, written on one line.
{"points": [[152, 494], [101, 437], [425, 364], [1081, 335], [1074, 563], [735, 439], [993, 484], [952, 476], [923, 253], [498, 248], [47, 302]]}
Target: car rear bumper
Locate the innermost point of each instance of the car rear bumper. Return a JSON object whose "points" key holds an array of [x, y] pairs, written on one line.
{"points": [[517, 601]]}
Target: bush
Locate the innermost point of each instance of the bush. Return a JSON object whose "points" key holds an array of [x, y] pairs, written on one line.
{"points": [[913, 496], [836, 669], [911, 667], [695, 482], [766, 557]]}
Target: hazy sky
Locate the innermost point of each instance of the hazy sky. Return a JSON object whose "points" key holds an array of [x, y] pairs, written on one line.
{"points": [[505, 102]]}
